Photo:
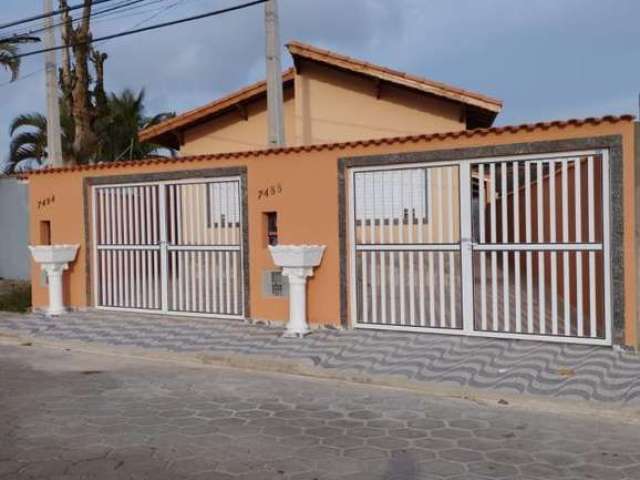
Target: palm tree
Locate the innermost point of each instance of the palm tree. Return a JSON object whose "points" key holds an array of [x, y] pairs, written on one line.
{"points": [[28, 147], [118, 129], [9, 53], [9, 59]]}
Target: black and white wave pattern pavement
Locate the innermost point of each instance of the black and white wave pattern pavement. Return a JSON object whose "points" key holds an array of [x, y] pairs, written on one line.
{"points": [[511, 366]]}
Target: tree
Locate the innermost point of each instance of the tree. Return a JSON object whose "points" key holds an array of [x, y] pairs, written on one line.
{"points": [[117, 131], [9, 53], [28, 147], [85, 104]]}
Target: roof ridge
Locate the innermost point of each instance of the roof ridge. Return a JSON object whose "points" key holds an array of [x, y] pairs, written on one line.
{"points": [[349, 144], [409, 76]]}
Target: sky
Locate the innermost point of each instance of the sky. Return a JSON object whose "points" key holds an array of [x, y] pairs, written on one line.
{"points": [[546, 59]]}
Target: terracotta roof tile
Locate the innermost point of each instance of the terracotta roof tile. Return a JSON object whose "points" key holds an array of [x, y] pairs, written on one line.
{"points": [[384, 73], [481, 132], [210, 109]]}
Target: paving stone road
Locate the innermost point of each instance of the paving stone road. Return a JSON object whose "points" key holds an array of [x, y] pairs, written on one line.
{"points": [[71, 415]]}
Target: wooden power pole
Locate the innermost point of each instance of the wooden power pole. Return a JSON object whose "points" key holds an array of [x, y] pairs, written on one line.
{"points": [[274, 76], [54, 135]]}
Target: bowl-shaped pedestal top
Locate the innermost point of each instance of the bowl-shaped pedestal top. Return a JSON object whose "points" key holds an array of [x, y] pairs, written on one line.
{"points": [[297, 255], [53, 253]]}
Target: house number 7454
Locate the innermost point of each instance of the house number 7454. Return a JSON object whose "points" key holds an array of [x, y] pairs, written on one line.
{"points": [[269, 191]]}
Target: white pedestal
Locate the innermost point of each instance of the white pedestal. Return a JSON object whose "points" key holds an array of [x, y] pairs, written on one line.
{"points": [[54, 260], [54, 279], [297, 262], [297, 326]]}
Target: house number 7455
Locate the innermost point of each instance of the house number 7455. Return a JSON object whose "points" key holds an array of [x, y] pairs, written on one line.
{"points": [[269, 191]]}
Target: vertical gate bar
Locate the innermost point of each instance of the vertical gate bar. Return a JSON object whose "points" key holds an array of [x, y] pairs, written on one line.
{"points": [[361, 186], [410, 237], [494, 254], [353, 297], [516, 239], [401, 257], [112, 216], [207, 293], [529, 267], [120, 280], [542, 310], [191, 214], [392, 255], [118, 215], [430, 255], [200, 282], [443, 310], [466, 251], [483, 267], [109, 277], [452, 267], [164, 261], [565, 255], [592, 255], [193, 286], [172, 240], [227, 259], [200, 214], [95, 221], [506, 300], [136, 240], [156, 254], [127, 240], [605, 242], [180, 227], [578, 239], [421, 222], [383, 255], [181, 280], [234, 259], [552, 238], [102, 240], [371, 204]]}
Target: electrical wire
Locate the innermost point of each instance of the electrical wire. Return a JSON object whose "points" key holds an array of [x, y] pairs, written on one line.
{"points": [[104, 14], [145, 29], [49, 14]]}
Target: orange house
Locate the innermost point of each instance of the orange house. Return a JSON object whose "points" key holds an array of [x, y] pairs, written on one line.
{"points": [[401, 178]]}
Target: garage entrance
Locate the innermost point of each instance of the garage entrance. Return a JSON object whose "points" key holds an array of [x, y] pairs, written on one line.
{"points": [[512, 247], [170, 247]]}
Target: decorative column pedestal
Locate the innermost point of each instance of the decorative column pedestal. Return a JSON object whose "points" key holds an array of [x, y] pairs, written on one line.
{"points": [[54, 260], [297, 262]]}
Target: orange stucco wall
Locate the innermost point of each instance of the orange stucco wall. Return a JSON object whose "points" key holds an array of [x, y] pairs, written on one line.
{"points": [[326, 105], [332, 106], [307, 208], [232, 133]]}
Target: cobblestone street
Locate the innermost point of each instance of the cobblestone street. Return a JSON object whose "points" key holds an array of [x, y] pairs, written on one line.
{"points": [[70, 415]]}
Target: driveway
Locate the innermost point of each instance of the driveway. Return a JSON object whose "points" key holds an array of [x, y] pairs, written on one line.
{"points": [[72, 415]]}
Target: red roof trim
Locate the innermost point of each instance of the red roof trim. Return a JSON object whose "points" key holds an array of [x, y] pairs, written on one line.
{"points": [[509, 129]]}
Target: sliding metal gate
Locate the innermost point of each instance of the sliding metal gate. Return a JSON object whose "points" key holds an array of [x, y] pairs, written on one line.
{"points": [[171, 247], [512, 247]]}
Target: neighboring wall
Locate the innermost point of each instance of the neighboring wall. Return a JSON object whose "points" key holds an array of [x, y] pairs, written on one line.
{"points": [[336, 106], [308, 209], [14, 230]]}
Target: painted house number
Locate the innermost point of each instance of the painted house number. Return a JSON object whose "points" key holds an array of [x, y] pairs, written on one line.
{"points": [[43, 202], [269, 191]]}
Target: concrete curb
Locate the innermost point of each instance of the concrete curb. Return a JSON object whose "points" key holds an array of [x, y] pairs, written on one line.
{"points": [[306, 368]]}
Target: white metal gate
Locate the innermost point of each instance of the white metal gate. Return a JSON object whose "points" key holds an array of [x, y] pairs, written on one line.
{"points": [[171, 247], [507, 247]]}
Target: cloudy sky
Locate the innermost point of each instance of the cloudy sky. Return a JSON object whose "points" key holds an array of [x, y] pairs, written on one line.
{"points": [[546, 59]]}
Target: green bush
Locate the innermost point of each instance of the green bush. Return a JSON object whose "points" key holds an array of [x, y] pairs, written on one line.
{"points": [[15, 296]]}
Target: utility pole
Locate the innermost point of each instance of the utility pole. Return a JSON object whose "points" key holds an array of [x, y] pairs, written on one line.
{"points": [[54, 135], [274, 75]]}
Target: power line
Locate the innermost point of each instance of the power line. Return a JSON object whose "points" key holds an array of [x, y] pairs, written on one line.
{"points": [[145, 29], [50, 14], [123, 6]]}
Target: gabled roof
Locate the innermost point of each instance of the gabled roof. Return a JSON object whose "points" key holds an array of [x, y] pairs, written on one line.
{"points": [[481, 110], [165, 133], [476, 101]]}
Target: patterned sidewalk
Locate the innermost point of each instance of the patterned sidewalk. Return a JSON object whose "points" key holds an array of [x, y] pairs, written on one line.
{"points": [[511, 367]]}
